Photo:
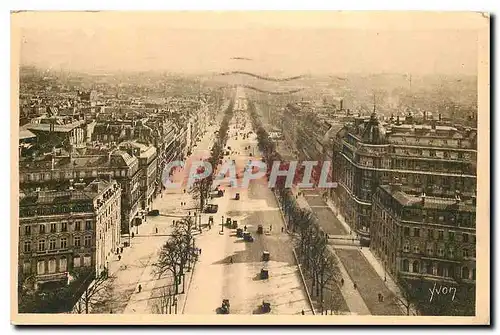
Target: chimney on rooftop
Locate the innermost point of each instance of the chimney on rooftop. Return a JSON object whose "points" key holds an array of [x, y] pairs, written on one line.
{"points": [[425, 116], [440, 117], [341, 104], [397, 120]]}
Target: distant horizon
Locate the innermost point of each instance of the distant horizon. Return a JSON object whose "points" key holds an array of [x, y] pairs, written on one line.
{"points": [[209, 72]]}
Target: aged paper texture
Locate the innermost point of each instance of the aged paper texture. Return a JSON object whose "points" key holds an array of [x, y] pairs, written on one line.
{"points": [[250, 168]]}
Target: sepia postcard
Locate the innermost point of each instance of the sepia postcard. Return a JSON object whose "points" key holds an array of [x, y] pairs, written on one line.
{"points": [[316, 168]]}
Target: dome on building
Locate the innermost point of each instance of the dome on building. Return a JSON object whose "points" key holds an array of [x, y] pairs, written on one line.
{"points": [[374, 132]]}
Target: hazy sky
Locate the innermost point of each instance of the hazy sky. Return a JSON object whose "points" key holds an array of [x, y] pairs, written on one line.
{"points": [[292, 43]]}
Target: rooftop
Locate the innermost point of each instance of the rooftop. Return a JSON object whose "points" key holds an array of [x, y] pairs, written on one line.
{"points": [[408, 200], [75, 195]]}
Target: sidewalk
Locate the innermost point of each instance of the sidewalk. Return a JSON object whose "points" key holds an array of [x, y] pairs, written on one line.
{"points": [[374, 262], [136, 264]]}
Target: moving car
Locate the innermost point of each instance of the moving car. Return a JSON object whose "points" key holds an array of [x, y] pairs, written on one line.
{"points": [[239, 232], [247, 237]]}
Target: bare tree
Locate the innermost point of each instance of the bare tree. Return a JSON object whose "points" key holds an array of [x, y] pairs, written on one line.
{"points": [[169, 260], [201, 190], [327, 270], [409, 299], [97, 294], [162, 304], [184, 230]]}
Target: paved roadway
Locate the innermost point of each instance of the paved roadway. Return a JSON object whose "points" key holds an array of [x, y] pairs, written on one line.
{"points": [[216, 278]]}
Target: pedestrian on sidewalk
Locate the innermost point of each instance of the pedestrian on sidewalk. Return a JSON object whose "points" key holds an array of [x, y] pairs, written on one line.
{"points": [[342, 282], [355, 286], [140, 288], [121, 249], [117, 250], [119, 257], [303, 313], [156, 229], [282, 229]]}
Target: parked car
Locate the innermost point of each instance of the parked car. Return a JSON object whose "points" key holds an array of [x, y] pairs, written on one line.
{"points": [[154, 212], [211, 208]]}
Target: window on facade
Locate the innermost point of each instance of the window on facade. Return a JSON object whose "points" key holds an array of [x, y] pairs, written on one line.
{"points": [[63, 264], [430, 234], [88, 225], [53, 228], [406, 265], [465, 252], [78, 225], [64, 226], [41, 229], [87, 241], [451, 235], [440, 235], [406, 231], [428, 268], [430, 250], [76, 241], [416, 249], [52, 265], [416, 267], [40, 267], [77, 261], [41, 245], [406, 247], [440, 252], [465, 237], [416, 232], [440, 270], [27, 230], [27, 246], [64, 243], [87, 260], [26, 267], [52, 244], [465, 272], [451, 253]]}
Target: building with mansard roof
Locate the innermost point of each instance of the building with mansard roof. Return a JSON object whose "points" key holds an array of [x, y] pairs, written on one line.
{"points": [[65, 230], [438, 159]]}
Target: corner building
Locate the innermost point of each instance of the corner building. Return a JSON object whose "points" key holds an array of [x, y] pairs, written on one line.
{"points": [[426, 156], [60, 231]]}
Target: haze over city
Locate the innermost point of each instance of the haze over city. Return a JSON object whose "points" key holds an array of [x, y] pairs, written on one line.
{"points": [[286, 43]]}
